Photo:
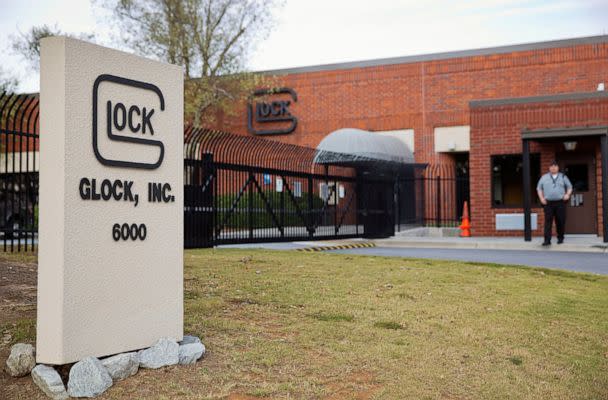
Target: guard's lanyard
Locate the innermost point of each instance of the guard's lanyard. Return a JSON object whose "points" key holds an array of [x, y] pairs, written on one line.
{"points": [[554, 179]]}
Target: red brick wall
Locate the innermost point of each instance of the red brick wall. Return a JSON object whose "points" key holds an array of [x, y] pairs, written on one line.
{"points": [[424, 95], [497, 130]]}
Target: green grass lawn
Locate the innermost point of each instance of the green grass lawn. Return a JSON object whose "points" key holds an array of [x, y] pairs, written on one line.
{"points": [[327, 326]]}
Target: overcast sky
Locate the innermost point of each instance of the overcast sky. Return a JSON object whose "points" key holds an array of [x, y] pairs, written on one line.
{"points": [[310, 32]]}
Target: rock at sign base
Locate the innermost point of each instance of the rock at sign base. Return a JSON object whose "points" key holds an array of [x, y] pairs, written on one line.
{"points": [[188, 339], [190, 350], [121, 366], [21, 360], [88, 378], [49, 381], [164, 352]]}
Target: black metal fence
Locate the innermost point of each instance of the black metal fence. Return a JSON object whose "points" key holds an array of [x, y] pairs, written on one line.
{"points": [[19, 161], [430, 201], [242, 189], [246, 189], [438, 201]]}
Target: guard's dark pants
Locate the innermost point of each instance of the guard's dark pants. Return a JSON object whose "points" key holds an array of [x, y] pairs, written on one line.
{"points": [[555, 210]]}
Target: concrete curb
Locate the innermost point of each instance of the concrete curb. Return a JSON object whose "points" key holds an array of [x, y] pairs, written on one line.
{"points": [[490, 246], [339, 247]]}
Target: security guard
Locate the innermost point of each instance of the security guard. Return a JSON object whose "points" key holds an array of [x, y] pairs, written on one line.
{"points": [[554, 190]]}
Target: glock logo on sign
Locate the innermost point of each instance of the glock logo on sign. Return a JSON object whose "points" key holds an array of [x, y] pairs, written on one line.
{"points": [[274, 112], [129, 126]]}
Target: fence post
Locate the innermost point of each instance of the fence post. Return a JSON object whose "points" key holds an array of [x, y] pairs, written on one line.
{"points": [[282, 215], [250, 204], [336, 195], [422, 182], [438, 214], [397, 204], [210, 231], [310, 207], [357, 189]]}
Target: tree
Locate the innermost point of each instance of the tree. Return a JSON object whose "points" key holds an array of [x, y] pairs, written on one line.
{"points": [[27, 44], [211, 39], [8, 83]]}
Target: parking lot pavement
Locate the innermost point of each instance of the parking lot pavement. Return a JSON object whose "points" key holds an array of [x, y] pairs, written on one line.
{"points": [[596, 263]]}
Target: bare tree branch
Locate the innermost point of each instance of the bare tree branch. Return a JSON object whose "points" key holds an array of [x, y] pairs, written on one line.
{"points": [[211, 37], [27, 45]]}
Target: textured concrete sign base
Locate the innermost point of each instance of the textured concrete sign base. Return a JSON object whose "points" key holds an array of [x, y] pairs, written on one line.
{"points": [[111, 202]]}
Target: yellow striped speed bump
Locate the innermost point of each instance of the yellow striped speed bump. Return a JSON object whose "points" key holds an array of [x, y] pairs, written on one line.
{"points": [[339, 247]]}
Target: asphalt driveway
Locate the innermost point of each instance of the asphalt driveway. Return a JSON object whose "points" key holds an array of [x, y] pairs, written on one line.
{"points": [[596, 263]]}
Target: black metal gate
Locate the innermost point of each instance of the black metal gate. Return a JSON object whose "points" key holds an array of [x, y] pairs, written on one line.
{"points": [[244, 190], [230, 203]]}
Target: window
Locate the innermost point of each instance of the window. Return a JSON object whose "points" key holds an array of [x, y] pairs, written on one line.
{"points": [[297, 189], [327, 192], [507, 180]]}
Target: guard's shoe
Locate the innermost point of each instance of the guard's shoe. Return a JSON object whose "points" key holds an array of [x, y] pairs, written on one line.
{"points": [[546, 243], [560, 241]]}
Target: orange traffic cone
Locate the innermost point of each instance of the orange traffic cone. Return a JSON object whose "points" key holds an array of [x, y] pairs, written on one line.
{"points": [[465, 226]]}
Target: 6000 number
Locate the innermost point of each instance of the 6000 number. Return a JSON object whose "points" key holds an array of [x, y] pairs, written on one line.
{"points": [[126, 232]]}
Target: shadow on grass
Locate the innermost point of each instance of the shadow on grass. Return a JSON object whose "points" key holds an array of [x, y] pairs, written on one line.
{"points": [[334, 317], [388, 325]]}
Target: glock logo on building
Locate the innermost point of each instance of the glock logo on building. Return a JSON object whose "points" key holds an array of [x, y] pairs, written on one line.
{"points": [[272, 113], [127, 111]]}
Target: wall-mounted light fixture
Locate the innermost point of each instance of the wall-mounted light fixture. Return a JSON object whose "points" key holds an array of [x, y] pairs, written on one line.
{"points": [[570, 146]]}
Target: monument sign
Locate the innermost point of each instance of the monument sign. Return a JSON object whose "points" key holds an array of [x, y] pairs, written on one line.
{"points": [[111, 202]]}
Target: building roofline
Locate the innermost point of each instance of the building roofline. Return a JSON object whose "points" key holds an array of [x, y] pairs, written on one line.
{"points": [[538, 99], [441, 56]]}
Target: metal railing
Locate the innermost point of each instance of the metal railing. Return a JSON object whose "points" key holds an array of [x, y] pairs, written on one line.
{"points": [[434, 201], [19, 165]]}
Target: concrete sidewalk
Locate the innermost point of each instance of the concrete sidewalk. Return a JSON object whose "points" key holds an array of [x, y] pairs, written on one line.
{"points": [[572, 243]]}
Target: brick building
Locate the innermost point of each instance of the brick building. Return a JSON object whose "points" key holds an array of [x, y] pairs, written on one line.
{"points": [[475, 110]]}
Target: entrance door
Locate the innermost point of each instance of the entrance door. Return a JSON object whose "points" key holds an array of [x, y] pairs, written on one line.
{"points": [[581, 210]]}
